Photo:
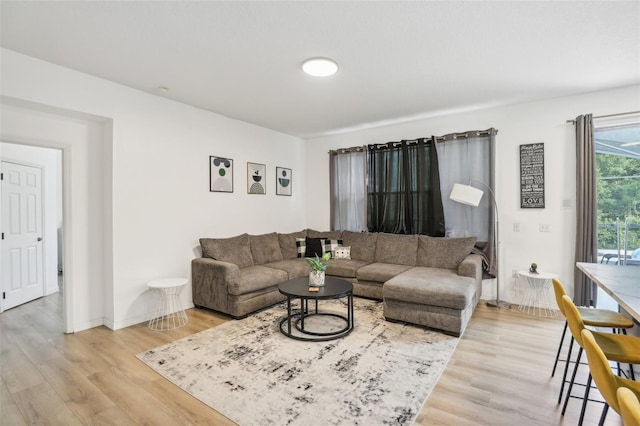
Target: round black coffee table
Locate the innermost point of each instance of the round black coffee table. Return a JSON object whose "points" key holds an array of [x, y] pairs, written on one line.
{"points": [[298, 288]]}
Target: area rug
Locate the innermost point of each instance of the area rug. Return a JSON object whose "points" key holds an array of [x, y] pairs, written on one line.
{"points": [[381, 373]]}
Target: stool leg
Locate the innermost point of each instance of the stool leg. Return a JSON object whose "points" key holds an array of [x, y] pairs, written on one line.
{"points": [[566, 370], [605, 410], [555, 364], [584, 401], [573, 378]]}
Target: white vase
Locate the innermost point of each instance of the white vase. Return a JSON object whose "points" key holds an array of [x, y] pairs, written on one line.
{"points": [[316, 278]]}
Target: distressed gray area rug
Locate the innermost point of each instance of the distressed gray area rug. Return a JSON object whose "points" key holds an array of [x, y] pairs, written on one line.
{"points": [[381, 373]]}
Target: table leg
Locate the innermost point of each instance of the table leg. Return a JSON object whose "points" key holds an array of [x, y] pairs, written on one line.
{"points": [[304, 304], [289, 314]]}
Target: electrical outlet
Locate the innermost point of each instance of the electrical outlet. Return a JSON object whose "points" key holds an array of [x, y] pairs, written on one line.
{"points": [[516, 226], [545, 227], [514, 273]]}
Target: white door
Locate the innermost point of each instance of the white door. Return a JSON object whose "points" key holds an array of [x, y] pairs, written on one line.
{"points": [[22, 262]]}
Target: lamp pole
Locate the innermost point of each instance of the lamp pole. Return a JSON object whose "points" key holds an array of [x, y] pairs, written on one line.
{"points": [[497, 303]]}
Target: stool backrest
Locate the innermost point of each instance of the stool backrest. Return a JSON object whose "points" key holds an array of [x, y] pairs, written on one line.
{"points": [[629, 407], [559, 291], [576, 325], [600, 370]]}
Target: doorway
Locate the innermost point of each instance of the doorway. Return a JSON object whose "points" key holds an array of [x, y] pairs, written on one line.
{"points": [[31, 220]]}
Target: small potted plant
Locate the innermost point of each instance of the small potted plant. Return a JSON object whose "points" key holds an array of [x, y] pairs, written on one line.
{"points": [[533, 268], [318, 267]]}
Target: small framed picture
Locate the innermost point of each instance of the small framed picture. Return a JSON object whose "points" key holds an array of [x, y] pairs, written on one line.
{"points": [[220, 174], [256, 178], [283, 181]]}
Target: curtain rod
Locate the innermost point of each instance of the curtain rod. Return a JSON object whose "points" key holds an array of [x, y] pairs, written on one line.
{"points": [[608, 115], [439, 139]]}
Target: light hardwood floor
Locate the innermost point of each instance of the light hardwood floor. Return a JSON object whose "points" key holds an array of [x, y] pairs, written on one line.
{"points": [[498, 375]]}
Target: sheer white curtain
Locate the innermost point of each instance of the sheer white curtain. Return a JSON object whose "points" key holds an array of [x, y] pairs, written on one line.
{"points": [[348, 189], [466, 161], [467, 158]]}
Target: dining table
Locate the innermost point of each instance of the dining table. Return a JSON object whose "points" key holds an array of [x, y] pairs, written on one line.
{"points": [[622, 283]]}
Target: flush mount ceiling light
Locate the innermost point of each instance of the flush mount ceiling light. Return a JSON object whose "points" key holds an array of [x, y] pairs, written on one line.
{"points": [[320, 67]]}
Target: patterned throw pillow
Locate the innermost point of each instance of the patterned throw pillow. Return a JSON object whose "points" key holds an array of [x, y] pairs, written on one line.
{"points": [[301, 246], [342, 253], [330, 246]]}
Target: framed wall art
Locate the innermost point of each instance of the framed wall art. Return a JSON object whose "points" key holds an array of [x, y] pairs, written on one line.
{"points": [[256, 178], [283, 181], [532, 176], [220, 174]]}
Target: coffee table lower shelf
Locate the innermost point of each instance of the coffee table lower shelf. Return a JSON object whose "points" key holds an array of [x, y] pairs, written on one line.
{"points": [[296, 324]]}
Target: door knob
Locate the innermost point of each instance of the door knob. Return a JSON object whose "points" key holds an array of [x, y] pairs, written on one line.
{"points": [[39, 238]]}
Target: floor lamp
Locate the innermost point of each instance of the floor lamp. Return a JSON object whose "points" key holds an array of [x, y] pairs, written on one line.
{"points": [[467, 194]]}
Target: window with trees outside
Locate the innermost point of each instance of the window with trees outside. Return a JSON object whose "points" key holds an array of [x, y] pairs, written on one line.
{"points": [[618, 193]]}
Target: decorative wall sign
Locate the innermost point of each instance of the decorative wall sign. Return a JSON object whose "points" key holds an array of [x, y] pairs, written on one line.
{"points": [[256, 178], [220, 174], [283, 181], [532, 176]]}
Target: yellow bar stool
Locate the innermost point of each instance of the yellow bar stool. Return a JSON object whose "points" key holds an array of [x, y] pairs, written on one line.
{"points": [[615, 347], [591, 317], [609, 384], [629, 406]]}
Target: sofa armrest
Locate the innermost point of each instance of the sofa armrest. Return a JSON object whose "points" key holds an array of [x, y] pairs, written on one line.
{"points": [[211, 279], [471, 266]]}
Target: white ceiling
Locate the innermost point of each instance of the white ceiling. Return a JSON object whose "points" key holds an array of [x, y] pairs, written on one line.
{"points": [[398, 60]]}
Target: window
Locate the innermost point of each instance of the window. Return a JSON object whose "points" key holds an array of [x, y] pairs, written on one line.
{"points": [[618, 193]]}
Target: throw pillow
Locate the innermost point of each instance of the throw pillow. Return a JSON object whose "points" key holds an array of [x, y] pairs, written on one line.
{"points": [[314, 247], [343, 253], [330, 246], [301, 246]]}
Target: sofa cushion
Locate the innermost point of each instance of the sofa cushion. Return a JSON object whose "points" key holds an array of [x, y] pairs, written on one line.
{"points": [[255, 278], [234, 250], [331, 235], [431, 286], [265, 248], [345, 268], [363, 244], [446, 253], [380, 272], [295, 268], [396, 248], [288, 244]]}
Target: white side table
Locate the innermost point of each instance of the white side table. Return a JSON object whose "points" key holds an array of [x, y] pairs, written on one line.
{"points": [[535, 300], [169, 314]]}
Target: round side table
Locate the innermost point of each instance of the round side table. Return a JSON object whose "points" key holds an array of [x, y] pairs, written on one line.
{"points": [[535, 300], [169, 314]]}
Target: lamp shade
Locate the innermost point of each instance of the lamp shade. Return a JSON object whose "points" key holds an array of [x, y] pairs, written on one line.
{"points": [[466, 194]]}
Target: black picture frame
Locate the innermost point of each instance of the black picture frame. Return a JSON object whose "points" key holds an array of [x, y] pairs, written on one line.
{"points": [[220, 174], [284, 181]]}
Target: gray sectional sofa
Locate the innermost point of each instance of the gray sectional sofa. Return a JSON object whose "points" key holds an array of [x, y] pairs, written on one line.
{"points": [[432, 282]]}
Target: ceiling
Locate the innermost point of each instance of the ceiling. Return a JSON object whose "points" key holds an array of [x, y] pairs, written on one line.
{"points": [[399, 61]]}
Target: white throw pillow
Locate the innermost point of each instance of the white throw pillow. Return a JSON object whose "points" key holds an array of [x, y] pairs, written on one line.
{"points": [[343, 253]]}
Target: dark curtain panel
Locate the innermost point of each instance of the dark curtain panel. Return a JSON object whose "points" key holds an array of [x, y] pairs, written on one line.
{"points": [[585, 293], [404, 188]]}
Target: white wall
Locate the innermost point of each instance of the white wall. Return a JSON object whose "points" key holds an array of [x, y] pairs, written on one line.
{"points": [[158, 184], [49, 160], [543, 121]]}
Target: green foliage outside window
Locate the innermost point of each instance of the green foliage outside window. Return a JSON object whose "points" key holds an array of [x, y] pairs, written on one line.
{"points": [[618, 186]]}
